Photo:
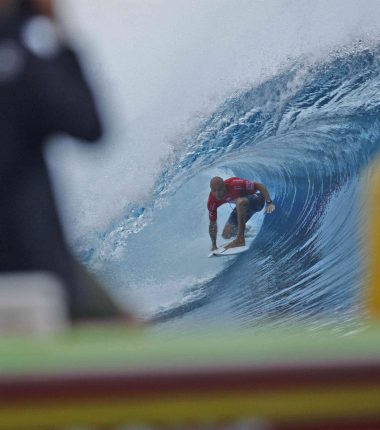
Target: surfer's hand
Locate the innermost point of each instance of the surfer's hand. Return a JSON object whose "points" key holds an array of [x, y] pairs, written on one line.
{"points": [[270, 208]]}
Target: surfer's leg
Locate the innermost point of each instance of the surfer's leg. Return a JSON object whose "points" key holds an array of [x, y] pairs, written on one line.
{"points": [[256, 203], [242, 205], [251, 204], [229, 231], [245, 208], [230, 228]]}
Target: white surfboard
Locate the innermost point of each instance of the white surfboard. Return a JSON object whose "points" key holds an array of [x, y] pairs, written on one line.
{"points": [[223, 252]]}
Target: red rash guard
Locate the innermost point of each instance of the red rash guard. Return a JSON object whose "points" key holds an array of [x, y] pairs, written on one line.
{"points": [[235, 187]]}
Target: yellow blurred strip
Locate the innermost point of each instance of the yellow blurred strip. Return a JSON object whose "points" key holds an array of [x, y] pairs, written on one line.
{"points": [[373, 201], [286, 405]]}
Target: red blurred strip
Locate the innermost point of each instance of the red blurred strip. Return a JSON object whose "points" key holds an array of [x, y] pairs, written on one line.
{"points": [[129, 385]]}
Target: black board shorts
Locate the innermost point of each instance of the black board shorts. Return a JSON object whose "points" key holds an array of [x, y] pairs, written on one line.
{"points": [[256, 204]]}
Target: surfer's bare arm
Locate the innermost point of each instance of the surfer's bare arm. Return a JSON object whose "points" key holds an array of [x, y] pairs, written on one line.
{"points": [[270, 207], [213, 230]]}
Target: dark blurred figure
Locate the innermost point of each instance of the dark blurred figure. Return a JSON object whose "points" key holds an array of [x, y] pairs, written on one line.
{"points": [[42, 92]]}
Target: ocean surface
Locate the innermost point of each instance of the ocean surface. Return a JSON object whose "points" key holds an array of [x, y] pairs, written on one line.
{"points": [[308, 133]]}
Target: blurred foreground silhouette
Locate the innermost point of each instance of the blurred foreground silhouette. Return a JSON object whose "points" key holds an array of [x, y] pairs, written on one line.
{"points": [[43, 92]]}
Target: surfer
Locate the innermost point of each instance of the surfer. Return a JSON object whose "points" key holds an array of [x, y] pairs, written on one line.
{"points": [[249, 197]]}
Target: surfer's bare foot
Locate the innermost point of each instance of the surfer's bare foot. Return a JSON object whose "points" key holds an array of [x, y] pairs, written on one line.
{"points": [[236, 243]]}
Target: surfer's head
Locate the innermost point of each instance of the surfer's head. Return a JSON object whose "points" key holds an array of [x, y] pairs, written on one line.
{"points": [[218, 188]]}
